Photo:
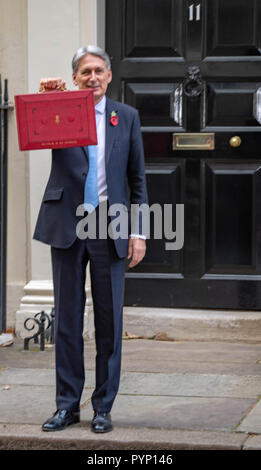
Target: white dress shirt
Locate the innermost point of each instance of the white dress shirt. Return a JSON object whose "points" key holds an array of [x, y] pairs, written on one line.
{"points": [[100, 114]]}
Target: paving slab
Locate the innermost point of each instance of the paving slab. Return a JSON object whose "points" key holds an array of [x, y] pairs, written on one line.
{"points": [[191, 357], [189, 367], [252, 443], [41, 377], [204, 385], [79, 437], [29, 404], [194, 351], [201, 385], [173, 394], [152, 356], [15, 356], [252, 422], [15, 376], [190, 413]]}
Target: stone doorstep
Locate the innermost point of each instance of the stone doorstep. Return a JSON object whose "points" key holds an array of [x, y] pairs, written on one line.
{"points": [[193, 324], [78, 437], [179, 324]]}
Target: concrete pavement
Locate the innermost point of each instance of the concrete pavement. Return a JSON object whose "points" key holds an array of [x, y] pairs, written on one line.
{"points": [[173, 395]]}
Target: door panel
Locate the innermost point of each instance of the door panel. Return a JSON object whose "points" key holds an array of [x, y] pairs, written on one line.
{"points": [[231, 217], [231, 104], [233, 28], [193, 66], [164, 184], [159, 104], [153, 29]]}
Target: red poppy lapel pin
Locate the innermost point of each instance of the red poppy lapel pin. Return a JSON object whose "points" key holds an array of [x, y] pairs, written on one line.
{"points": [[114, 119]]}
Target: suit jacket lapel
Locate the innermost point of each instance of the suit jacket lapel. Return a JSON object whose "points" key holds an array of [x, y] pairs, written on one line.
{"points": [[110, 132], [110, 129]]}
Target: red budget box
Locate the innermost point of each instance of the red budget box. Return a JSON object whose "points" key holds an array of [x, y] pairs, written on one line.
{"points": [[56, 119]]}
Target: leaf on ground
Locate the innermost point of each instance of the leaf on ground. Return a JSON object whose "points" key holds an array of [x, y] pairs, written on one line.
{"points": [[128, 335], [162, 336]]}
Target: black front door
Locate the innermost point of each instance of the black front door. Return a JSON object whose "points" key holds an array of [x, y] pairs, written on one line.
{"points": [[193, 67]]}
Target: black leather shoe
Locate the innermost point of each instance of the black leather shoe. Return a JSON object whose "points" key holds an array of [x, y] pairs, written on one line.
{"points": [[60, 420], [101, 422]]}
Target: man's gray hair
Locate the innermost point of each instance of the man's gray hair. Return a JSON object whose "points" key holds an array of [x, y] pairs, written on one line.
{"points": [[95, 50]]}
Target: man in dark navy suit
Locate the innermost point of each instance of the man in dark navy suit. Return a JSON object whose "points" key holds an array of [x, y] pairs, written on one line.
{"points": [[119, 161]]}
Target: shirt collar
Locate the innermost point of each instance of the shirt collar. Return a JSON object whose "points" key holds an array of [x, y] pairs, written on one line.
{"points": [[100, 107]]}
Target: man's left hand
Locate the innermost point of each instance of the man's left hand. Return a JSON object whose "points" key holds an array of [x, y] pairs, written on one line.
{"points": [[136, 251]]}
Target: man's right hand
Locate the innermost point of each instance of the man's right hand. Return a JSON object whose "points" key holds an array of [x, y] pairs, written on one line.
{"points": [[51, 84]]}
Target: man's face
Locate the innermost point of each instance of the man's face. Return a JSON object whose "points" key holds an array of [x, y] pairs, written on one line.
{"points": [[93, 73]]}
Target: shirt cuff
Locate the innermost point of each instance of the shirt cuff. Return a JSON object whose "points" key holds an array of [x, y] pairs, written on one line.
{"points": [[134, 235]]}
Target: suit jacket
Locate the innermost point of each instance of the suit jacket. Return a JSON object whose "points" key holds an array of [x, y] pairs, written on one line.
{"points": [[125, 176]]}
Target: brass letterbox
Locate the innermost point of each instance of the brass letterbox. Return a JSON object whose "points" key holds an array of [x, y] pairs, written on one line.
{"points": [[194, 141]]}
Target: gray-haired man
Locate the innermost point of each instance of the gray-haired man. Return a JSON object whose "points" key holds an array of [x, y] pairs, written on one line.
{"points": [[120, 163]]}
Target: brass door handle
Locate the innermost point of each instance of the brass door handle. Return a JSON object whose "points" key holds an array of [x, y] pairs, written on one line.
{"points": [[235, 141]]}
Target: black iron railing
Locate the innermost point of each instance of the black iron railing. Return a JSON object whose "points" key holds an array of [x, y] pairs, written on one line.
{"points": [[4, 108], [44, 326]]}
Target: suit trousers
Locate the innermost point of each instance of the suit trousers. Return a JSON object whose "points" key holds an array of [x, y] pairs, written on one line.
{"points": [[107, 286]]}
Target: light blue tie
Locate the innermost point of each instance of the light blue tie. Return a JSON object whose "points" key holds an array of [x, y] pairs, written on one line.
{"points": [[91, 185]]}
